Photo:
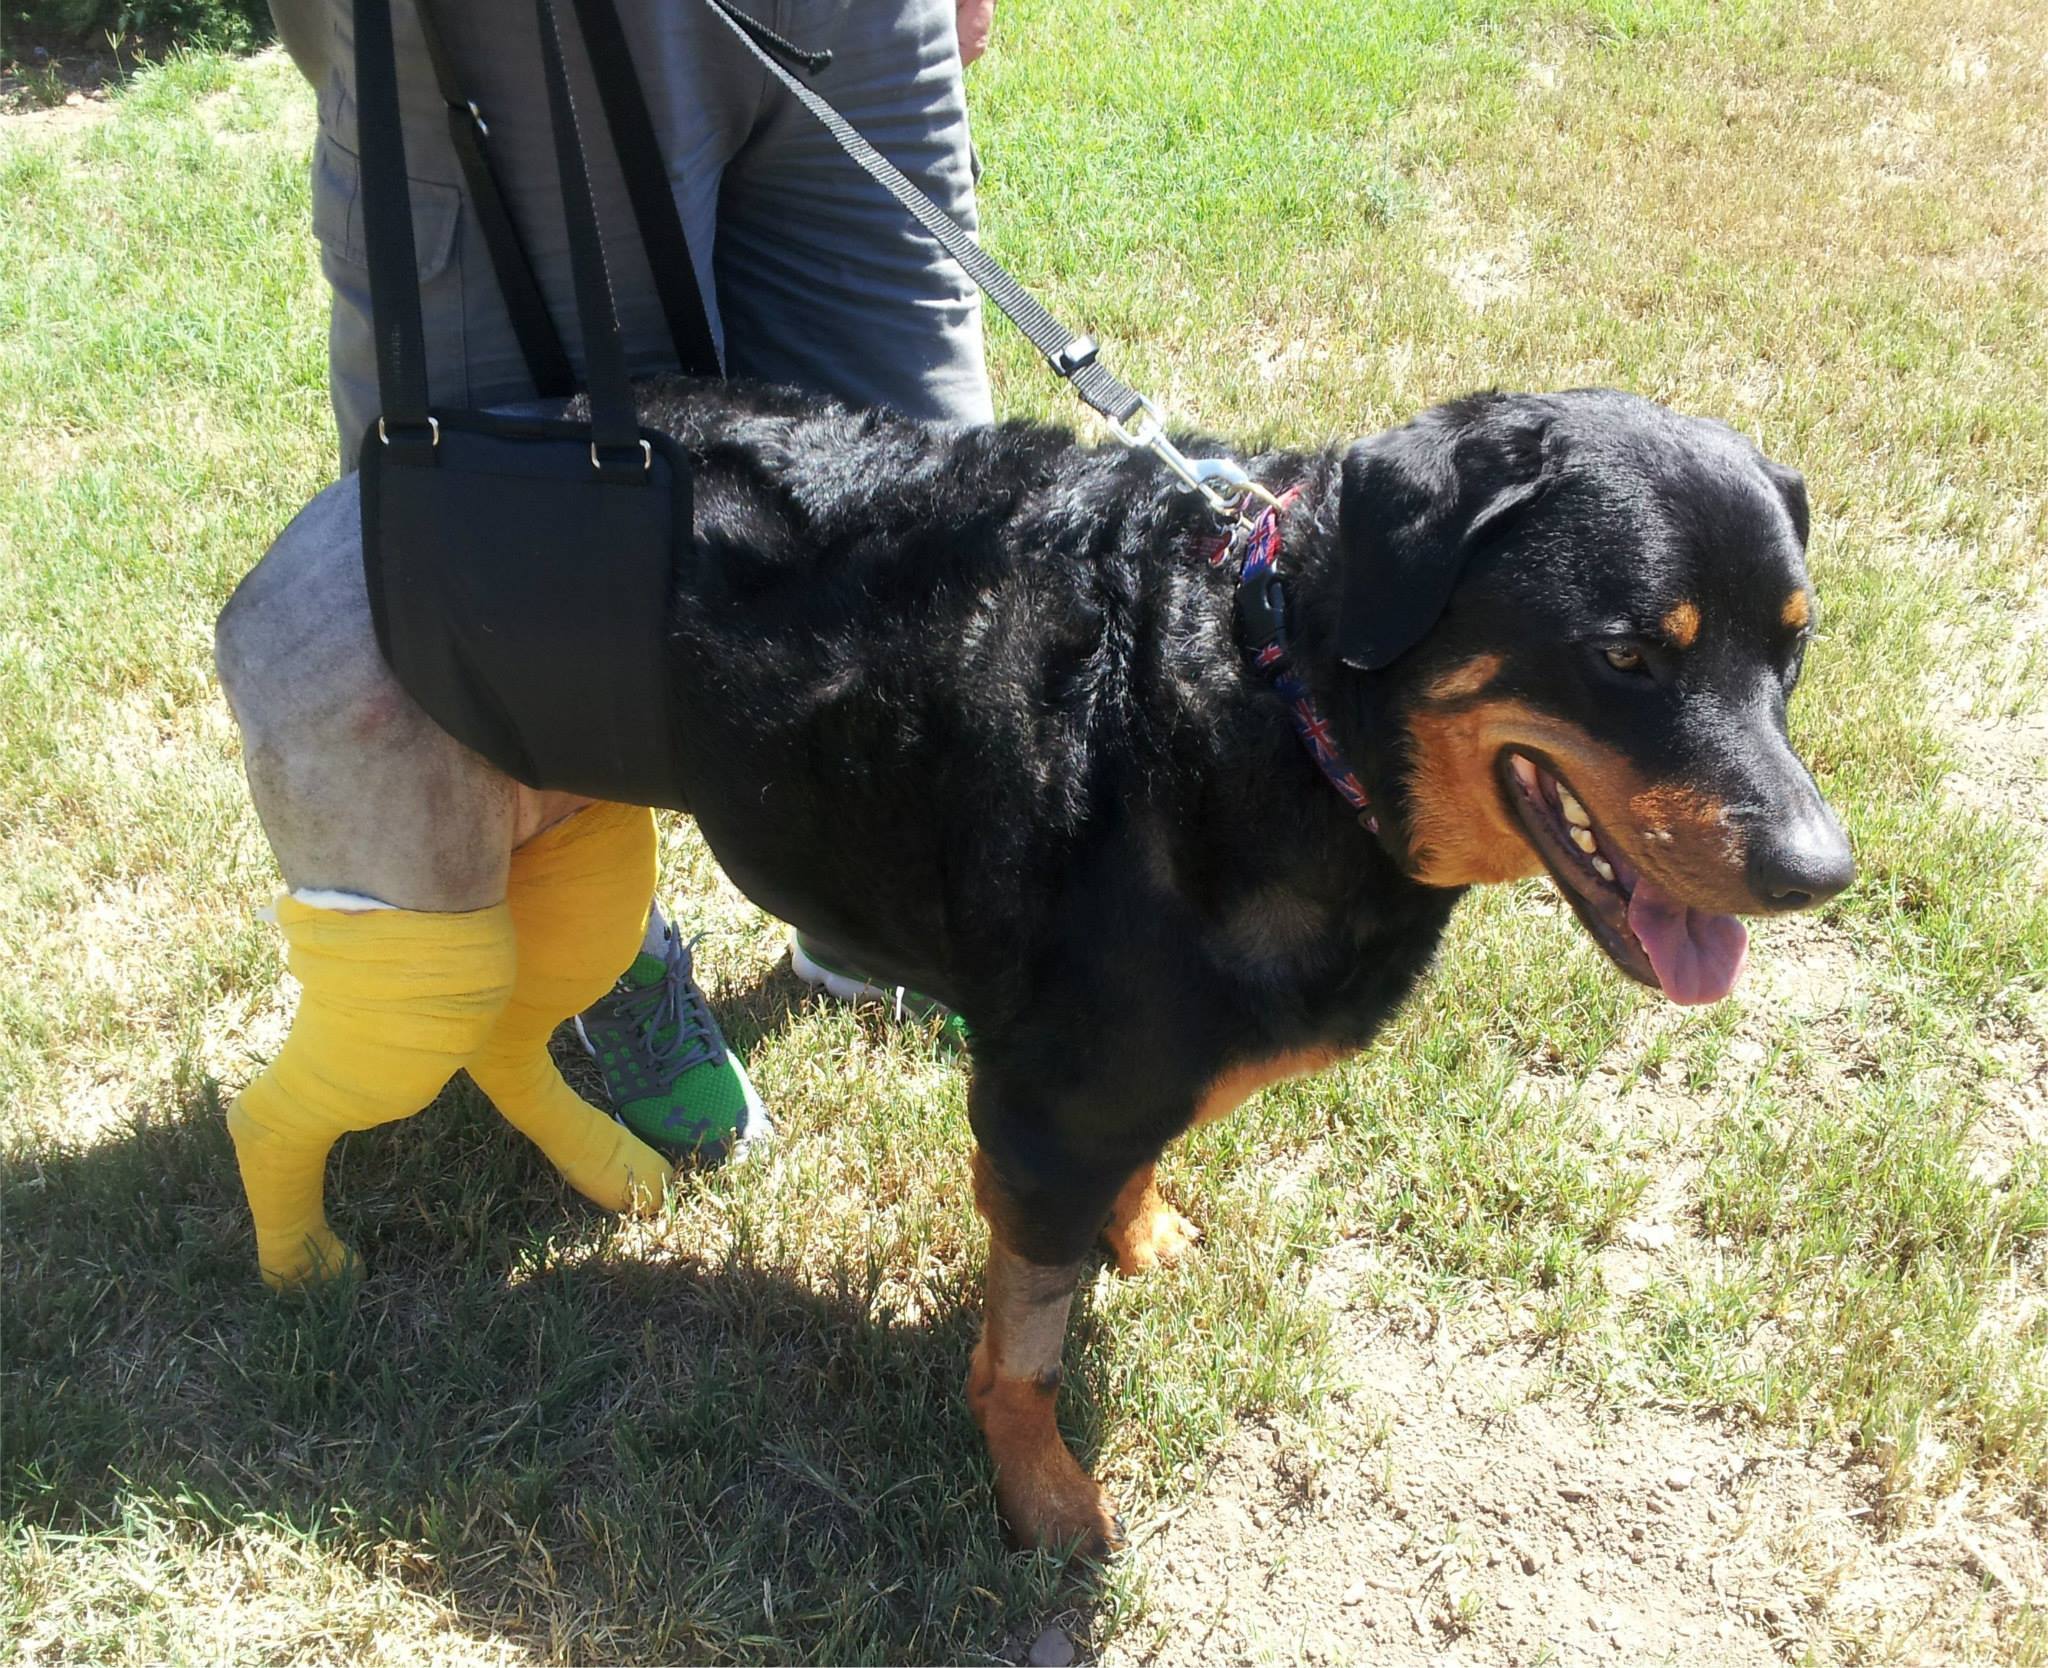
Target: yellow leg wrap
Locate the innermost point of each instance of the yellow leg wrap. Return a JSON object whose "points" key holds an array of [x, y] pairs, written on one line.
{"points": [[392, 1003], [578, 896]]}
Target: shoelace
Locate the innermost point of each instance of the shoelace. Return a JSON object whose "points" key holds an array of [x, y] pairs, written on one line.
{"points": [[674, 1017]]}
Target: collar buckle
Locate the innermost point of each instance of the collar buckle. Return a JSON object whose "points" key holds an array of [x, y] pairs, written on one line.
{"points": [[1261, 609]]}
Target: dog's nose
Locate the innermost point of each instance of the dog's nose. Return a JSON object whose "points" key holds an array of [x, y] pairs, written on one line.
{"points": [[1801, 865]]}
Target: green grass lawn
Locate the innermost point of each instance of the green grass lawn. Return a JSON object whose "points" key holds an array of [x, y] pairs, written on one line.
{"points": [[735, 1433]]}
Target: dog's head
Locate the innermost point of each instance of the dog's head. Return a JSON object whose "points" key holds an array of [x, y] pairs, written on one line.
{"points": [[1586, 613]]}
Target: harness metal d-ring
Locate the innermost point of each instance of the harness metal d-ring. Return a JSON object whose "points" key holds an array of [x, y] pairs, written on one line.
{"points": [[646, 457]]}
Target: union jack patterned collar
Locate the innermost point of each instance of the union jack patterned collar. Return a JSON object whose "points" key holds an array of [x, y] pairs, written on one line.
{"points": [[1262, 618]]}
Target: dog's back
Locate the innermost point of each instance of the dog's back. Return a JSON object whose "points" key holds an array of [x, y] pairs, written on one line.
{"points": [[950, 655]]}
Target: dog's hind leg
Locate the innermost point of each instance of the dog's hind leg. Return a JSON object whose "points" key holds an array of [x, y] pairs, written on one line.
{"points": [[1013, 1383], [360, 793], [578, 896], [358, 790], [391, 1003]]}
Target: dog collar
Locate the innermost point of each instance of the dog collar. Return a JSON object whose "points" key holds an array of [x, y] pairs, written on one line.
{"points": [[1262, 622]]}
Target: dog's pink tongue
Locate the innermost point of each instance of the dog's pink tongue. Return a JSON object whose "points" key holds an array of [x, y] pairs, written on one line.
{"points": [[1697, 956]]}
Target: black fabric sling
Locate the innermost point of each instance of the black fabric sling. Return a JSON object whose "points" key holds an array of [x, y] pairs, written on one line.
{"points": [[520, 571]]}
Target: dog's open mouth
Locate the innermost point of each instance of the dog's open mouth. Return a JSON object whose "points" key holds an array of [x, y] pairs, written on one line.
{"points": [[1691, 955]]}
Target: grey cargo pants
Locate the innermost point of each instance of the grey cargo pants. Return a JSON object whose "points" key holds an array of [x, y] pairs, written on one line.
{"points": [[810, 272]]}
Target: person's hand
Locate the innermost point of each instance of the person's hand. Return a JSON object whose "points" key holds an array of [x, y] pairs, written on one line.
{"points": [[973, 18]]}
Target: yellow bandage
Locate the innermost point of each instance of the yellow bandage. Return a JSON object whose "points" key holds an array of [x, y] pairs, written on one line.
{"points": [[578, 896], [393, 1003]]}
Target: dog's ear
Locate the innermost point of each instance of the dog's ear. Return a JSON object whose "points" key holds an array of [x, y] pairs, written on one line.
{"points": [[1415, 503], [1791, 487]]}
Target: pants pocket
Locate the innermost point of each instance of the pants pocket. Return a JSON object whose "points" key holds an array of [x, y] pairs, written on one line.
{"points": [[344, 259]]}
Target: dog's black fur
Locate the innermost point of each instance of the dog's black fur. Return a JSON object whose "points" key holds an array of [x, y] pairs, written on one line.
{"points": [[972, 704]]}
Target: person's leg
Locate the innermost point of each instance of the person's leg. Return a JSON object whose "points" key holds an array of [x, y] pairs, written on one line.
{"points": [[823, 280]]}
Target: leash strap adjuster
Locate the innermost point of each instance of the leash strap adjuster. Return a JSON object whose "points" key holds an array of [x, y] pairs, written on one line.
{"points": [[1075, 357]]}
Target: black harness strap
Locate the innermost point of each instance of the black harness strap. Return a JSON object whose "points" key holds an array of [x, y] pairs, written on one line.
{"points": [[547, 362], [394, 285], [614, 424], [648, 187], [387, 232]]}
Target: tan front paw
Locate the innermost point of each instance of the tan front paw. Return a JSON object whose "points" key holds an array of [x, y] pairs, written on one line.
{"points": [[1147, 1232], [1067, 1514], [1045, 1497]]}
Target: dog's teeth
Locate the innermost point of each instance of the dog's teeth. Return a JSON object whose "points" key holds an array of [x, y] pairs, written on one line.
{"points": [[1603, 868], [1574, 812], [1525, 772], [1583, 839]]}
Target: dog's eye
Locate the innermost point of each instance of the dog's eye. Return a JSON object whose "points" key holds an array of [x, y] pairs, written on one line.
{"points": [[1795, 662], [1623, 658]]}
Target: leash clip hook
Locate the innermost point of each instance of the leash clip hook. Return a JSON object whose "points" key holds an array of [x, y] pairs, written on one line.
{"points": [[1221, 482]]}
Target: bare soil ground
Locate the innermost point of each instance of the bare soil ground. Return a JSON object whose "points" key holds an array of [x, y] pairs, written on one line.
{"points": [[1475, 1508]]}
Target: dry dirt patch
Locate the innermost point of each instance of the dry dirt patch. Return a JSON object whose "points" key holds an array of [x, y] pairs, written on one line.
{"points": [[1470, 1508], [76, 110]]}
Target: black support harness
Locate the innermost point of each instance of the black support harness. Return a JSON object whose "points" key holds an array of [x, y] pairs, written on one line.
{"points": [[520, 571]]}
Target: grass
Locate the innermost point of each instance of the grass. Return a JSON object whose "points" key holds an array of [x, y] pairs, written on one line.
{"points": [[735, 1433]]}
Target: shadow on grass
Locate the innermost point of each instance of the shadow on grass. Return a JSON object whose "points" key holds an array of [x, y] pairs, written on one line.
{"points": [[603, 1454]]}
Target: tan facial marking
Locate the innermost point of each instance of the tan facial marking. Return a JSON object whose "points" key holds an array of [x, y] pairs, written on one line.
{"points": [[1682, 624], [1462, 833], [1467, 679], [1459, 830], [1695, 848], [1798, 610], [1669, 805]]}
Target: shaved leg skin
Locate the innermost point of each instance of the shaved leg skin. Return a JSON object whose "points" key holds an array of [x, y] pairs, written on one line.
{"points": [[356, 788], [1144, 1231], [1012, 1385]]}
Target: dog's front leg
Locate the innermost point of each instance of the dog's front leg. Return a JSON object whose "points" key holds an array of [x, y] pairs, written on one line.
{"points": [[1144, 1231], [1013, 1384]]}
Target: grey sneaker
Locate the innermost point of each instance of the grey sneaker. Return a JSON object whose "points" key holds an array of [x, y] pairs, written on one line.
{"points": [[841, 978], [672, 1079]]}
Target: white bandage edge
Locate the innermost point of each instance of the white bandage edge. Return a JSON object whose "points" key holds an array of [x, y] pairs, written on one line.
{"points": [[323, 897]]}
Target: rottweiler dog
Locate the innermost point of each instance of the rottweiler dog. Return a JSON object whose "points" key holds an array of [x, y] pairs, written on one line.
{"points": [[1012, 720]]}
